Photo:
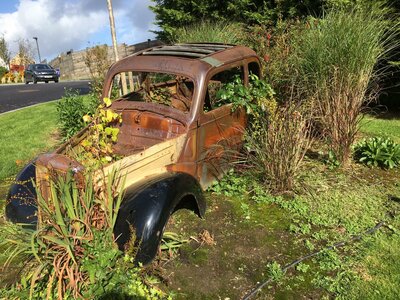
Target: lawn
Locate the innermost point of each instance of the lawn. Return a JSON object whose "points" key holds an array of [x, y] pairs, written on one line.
{"points": [[372, 126], [24, 134]]}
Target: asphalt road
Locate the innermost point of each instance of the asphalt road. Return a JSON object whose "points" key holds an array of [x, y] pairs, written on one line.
{"points": [[21, 95]]}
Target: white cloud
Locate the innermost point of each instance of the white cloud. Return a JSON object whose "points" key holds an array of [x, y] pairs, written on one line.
{"points": [[134, 20], [62, 25]]}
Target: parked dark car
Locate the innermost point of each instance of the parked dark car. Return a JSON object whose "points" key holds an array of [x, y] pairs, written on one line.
{"points": [[171, 140], [40, 72]]}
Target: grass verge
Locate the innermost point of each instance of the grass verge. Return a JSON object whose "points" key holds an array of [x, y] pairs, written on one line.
{"points": [[24, 134]]}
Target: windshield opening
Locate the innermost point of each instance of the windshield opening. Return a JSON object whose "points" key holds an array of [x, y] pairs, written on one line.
{"points": [[161, 88]]}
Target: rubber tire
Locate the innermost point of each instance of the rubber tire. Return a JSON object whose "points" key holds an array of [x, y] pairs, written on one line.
{"points": [[46, 81], [56, 81], [34, 80]]}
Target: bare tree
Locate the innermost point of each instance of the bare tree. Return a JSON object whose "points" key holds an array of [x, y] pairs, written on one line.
{"points": [[25, 51], [5, 53]]}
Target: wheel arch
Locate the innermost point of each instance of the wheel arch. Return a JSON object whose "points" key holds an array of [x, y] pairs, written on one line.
{"points": [[145, 211]]}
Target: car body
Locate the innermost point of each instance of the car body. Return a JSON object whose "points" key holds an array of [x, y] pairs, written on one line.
{"points": [[172, 145], [40, 72]]}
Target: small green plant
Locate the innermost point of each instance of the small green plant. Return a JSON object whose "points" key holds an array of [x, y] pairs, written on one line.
{"points": [[70, 109], [302, 267], [275, 271], [331, 160], [171, 242], [231, 185], [378, 152]]}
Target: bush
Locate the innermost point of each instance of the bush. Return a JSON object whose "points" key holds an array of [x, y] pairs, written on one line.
{"points": [[277, 147], [71, 108], [98, 62], [3, 71], [277, 138], [378, 151]]}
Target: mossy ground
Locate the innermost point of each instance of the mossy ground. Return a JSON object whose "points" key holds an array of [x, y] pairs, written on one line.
{"points": [[331, 206]]}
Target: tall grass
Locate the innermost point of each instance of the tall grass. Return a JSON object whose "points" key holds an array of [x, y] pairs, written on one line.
{"points": [[336, 62], [213, 32]]}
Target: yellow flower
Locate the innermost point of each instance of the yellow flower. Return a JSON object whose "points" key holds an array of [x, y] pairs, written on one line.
{"points": [[87, 118], [107, 101]]}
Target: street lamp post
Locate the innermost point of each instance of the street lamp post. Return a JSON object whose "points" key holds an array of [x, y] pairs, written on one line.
{"points": [[37, 46]]}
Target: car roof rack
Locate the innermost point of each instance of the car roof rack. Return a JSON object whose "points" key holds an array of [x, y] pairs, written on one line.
{"points": [[195, 50]]}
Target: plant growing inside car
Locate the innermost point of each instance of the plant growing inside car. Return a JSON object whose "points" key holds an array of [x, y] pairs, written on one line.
{"points": [[256, 99], [96, 149]]}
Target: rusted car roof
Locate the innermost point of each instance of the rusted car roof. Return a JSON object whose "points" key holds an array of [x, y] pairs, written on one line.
{"points": [[190, 60]]}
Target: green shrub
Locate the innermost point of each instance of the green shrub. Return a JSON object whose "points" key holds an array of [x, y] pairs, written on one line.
{"points": [[378, 151], [277, 137], [3, 71], [71, 108]]}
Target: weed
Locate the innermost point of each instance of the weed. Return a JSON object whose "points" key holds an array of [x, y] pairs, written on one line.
{"points": [[231, 185], [171, 242], [302, 267], [274, 271]]}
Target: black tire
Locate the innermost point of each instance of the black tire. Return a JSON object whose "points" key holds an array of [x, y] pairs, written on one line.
{"points": [[34, 80], [56, 81], [46, 81], [26, 81]]}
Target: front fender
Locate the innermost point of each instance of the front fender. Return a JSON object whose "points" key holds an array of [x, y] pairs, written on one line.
{"points": [[146, 210], [21, 198]]}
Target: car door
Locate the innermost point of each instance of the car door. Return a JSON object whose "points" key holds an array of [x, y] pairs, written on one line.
{"points": [[28, 73], [220, 130]]}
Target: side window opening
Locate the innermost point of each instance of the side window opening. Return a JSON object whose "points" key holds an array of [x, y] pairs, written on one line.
{"points": [[216, 82], [254, 68]]}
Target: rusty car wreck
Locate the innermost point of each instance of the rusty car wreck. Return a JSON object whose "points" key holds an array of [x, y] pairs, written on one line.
{"points": [[171, 121]]}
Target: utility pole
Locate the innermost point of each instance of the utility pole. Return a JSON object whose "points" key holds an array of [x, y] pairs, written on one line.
{"points": [[114, 42], [37, 46]]}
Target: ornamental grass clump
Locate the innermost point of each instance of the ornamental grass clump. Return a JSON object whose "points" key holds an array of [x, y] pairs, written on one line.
{"points": [[210, 32], [337, 72], [72, 254]]}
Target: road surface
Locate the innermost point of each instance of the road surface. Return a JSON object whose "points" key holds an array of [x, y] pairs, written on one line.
{"points": [[21, 95]]}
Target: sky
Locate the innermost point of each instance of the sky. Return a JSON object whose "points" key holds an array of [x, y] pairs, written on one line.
{"points": [[62, 25]]}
